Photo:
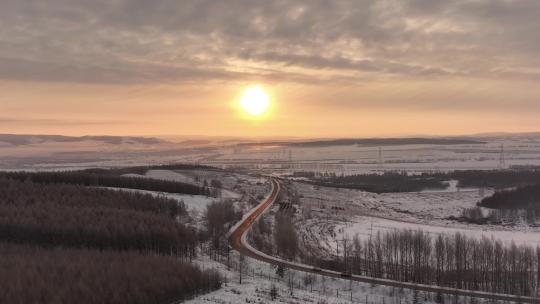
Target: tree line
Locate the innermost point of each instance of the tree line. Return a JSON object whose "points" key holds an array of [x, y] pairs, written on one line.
{"points": [[455, 261], [23, 193], [403, 182], [498, 179], [96, 179], [476, 215], [219, 217], [382, 183], [527, 197], [144, 169], [76, 216]]}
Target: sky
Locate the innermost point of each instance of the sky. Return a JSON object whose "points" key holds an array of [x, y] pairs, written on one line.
{"points": [[330, 68]]}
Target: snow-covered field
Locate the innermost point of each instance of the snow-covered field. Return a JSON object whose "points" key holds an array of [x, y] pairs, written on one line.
{"points": [[195, 177], [195, 204], [365, 227], [235, 187], [357, 159], [519, 149], [328, 215], [259, 277], [433, 207]]}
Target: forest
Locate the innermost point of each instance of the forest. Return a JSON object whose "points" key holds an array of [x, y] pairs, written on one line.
{"points": [[104, 178], [63, 275], [391, 181], [455, 261], [527, 197], [219, 216], [382, 183], [95, 245], [498, 179], [143, 169]]}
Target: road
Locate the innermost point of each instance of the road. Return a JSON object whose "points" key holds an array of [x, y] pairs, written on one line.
{"points": [[237, 239]]}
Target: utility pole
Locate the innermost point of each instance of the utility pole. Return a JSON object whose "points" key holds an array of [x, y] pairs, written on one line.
{"points": [[290, 156]]}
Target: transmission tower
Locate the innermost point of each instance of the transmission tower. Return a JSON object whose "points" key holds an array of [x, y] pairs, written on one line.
{"points": [[380, 160], [502, 160], [290, 156]]}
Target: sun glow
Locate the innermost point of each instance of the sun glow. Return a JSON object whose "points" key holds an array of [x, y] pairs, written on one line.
{"points": [[255, 101]]}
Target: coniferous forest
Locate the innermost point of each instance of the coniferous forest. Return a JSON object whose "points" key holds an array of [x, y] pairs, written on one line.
{"points": [[404, 182], [100, 178], [527, 197], [79, 244]]}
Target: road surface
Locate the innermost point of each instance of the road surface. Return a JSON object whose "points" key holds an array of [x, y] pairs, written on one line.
{"points": [[237, 239]]}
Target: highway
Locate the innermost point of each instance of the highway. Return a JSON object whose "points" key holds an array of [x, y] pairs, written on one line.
{"points": [[237, 239]]}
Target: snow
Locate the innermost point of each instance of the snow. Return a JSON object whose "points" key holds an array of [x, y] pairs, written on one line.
{"points": [[258, 278], [433, 207], [327, 215], [365, 227], [176, 175], [354, 159], [519, 150], [171, 176], [195, 204]]}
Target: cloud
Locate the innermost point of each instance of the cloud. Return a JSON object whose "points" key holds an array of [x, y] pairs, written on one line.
{"points": [[124, 42], [118, 72], [56, 122], [345, 64]]}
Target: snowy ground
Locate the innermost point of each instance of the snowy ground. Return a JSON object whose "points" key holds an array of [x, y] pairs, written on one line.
{"points": [[433, 207], [365, 226], [195, 204], [259, 277], [233, 183], [195, 177], [521, 150], [355, 159], [328, 214], [238, 188]]}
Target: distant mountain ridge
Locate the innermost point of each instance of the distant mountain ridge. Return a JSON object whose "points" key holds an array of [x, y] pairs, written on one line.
{"points": [[374, 142], [23, 139]]}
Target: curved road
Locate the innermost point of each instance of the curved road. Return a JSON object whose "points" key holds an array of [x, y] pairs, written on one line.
{"points": [[237, 239]]}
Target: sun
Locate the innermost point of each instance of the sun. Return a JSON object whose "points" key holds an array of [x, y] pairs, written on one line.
{"points": [[255, 101]]}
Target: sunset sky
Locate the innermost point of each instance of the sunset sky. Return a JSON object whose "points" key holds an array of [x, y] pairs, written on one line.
{"points": [[330, 68]]}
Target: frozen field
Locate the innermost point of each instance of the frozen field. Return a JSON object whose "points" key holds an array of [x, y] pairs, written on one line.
{"points": [[259, 277], [433, 207], [357, 159], [328, 215], [367, 226], [519, 149], [195, 204]]}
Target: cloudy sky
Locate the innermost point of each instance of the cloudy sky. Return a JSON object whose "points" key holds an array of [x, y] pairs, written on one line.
{"points": [[331, 68]]}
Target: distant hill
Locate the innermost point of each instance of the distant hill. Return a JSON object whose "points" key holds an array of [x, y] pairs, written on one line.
{"points": [[22, 140], [374, 142]]}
